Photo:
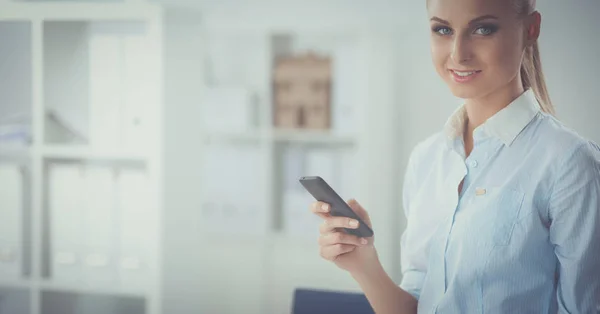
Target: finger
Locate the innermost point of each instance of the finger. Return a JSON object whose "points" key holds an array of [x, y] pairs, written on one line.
{"points": [[325, 228], [360, 211], [331, 223], [320, 208], [331, 252], [341, 238]]}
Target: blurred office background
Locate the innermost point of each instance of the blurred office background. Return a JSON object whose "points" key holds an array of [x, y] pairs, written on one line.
{"points": [[150, 151]]}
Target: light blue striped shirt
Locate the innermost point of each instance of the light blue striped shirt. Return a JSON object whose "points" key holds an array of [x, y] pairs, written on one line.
{"points": [[523, 236]]}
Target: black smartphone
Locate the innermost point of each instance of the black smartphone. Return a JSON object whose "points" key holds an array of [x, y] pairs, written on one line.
{"points": [[322, 192]]}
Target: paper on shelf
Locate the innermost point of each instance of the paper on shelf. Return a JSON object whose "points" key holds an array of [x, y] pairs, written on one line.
{"points": [[15, 135]]}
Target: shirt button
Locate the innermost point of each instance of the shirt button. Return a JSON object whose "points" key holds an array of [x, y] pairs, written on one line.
{"points": [[473, 163]]}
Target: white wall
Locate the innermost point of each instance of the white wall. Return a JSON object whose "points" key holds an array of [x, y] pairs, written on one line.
{"points": [[570, 50]]}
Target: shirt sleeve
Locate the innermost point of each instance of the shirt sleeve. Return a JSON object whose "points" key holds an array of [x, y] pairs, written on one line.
{"points": [[413, 273], [574, 211]]}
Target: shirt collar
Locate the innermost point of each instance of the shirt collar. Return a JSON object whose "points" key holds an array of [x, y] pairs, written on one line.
{"points": [[505, 125]]}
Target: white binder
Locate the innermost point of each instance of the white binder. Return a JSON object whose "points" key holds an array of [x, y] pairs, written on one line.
{"points": [[137, 223], [122, 86], [100, 232], [139, 92], [11, 209], [66, 187], [106, 84]]}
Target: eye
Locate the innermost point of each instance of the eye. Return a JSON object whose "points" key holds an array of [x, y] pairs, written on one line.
{"points": [[442, 30], [486, 30]]}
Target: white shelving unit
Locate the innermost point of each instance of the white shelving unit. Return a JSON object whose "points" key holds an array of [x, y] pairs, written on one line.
{"points": [[67, 58], [264, 264], [90, 154]]}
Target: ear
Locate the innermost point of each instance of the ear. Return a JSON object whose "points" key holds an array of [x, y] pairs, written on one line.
{"points": [[533, 27]]}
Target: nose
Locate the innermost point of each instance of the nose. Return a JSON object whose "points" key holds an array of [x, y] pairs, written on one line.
{"points": [[461, 50]]}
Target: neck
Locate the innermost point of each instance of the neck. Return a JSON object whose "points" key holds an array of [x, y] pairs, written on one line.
{"points": [[481, 109]]}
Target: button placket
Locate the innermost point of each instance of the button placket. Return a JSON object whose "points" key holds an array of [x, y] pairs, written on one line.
{"points": [[473, 163], [461, 174]]}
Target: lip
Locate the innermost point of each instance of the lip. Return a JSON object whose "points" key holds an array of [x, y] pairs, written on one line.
{"points": [[464, 79]]}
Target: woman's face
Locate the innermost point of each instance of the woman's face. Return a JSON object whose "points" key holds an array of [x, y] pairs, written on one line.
{"points": [[477, 45]]}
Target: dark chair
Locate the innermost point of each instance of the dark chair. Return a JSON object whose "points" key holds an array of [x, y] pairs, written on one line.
{"points": [[311, 301]]}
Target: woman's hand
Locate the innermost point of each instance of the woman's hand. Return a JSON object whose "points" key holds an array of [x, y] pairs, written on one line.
{"points": [[347, 251]]}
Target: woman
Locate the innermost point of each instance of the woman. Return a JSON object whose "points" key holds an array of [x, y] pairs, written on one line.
{"points": [[503, 205]]}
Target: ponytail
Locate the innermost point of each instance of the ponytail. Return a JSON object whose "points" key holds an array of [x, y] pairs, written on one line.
{"points": [[533, 77]]}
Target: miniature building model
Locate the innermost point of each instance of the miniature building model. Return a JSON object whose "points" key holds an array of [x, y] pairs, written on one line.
{"points": [[302, 92]]}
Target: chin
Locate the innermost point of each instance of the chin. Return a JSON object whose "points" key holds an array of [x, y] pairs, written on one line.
{"points": [[464, 91]]}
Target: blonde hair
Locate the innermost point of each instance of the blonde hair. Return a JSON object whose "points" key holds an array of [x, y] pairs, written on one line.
{"points": [[532, 75]]}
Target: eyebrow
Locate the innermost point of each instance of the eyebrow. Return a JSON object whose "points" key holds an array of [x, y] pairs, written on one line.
{"points": [[473, 21]]}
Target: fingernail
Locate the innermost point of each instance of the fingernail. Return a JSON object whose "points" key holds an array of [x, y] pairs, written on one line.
{"points": [[363, 241], [353, 223], [324, 208]]}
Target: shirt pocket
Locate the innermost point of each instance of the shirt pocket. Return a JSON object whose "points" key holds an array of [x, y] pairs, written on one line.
{"points": [[499, 210]]}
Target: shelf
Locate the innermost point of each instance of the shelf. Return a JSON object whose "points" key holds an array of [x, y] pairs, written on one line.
{"points": [[283, 136], [272, 239], [15, 284], [84, 153], [312, 137], [61, 302], [14, 153], [227, 137], [236, 240], [84, 289]]}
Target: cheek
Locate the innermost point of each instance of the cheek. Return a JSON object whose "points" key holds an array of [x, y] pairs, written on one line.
{"points": [[504, 59], [439, 54]]}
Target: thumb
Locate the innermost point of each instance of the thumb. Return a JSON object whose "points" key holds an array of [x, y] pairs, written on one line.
{"points": [[360, 211]]}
